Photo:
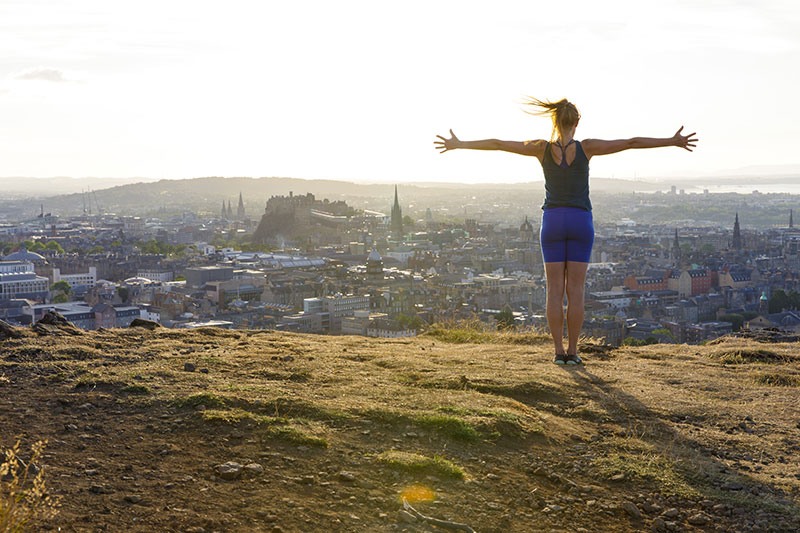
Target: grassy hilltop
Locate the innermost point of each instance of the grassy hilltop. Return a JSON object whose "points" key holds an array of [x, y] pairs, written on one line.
{"points": [[327, 433]]}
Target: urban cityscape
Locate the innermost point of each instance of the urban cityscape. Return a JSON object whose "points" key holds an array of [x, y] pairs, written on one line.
{"points": [[389, 266]]}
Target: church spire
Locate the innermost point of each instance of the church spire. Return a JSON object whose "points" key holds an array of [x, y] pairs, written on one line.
{"points": [[397, 217], [676, 250], [240, 210], [791, 222], [737, 234]]}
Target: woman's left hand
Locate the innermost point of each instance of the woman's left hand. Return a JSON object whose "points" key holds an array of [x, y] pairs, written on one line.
{"points": [[684, 141]]}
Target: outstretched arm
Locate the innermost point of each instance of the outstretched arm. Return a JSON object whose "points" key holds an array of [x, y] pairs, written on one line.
{"points": [[599, 147], [534, 148]]}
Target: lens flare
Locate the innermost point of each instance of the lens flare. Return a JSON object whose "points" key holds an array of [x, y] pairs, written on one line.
{"points": [[418, 493]]}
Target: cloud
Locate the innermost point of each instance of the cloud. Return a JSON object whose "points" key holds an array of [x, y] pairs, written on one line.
{"points": [[42, 74]]}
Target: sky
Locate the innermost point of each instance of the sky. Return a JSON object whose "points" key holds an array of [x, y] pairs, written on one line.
{"points": [[359, 90]]}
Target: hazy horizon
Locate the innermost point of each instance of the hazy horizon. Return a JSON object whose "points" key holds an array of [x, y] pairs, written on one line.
{"points": [[358, 91]]}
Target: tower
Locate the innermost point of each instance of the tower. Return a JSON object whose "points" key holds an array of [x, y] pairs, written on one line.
{"points": [[791, 222], [526, 231], [676, 250], [374, 266], [240, 210], [224, 211], [230, 210], [737, 235], [397, 217]]}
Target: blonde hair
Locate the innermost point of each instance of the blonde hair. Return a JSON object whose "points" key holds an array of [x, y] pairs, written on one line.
{"points": [[563, 113]]}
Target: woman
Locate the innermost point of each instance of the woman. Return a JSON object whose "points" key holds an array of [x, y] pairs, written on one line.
{"points": [[567, 232]]}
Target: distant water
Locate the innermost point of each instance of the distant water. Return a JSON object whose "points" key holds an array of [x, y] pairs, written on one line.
{"points": [[765, 188]]}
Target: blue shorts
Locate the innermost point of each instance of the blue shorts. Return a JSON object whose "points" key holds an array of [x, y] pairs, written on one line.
{"points": [[567, 235]]}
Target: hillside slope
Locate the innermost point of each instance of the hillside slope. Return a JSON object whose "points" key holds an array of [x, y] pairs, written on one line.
{"points": [[329, 433]]}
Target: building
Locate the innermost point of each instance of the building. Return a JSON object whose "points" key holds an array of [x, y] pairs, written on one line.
{"points": [[374, 266], [87, 279], [18, 280], [197, 277], [156, 274], [84, 316]]}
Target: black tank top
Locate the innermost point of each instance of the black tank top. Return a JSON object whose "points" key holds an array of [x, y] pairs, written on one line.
{"points": [[566, 185]]}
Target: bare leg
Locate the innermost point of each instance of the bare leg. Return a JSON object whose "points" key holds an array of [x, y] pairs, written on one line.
{"points": [[555, 272], [576, 281]]}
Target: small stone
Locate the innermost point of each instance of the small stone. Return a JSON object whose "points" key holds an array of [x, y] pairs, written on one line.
{"points": [[90, 472], [71, 427], [553, 508], [670, 513], [189, 367], [698, 520], [405, 516], [492, 476], [99, 489], [659, 525], [133, 498], [347, 476], [617, 477], [229, 470], [204, 371], [651, 508], [253, 469], [307, 480], [631, 509]]}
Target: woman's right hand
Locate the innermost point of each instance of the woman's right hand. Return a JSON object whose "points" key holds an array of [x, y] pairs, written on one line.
{"points": [[447, 144]]}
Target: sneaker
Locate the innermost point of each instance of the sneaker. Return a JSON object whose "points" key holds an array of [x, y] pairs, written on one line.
{"points": [[573, 359], [560, 359]]}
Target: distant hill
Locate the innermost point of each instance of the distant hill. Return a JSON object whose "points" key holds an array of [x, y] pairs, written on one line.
{"points": [[209, 192], [20, 186]]}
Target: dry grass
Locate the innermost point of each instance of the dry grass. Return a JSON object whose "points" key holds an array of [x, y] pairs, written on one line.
{"points": [[23, 494], [667, 417]]}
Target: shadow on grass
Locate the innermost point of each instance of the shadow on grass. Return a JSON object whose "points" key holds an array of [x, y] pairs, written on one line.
{"points": [[656, 453]]}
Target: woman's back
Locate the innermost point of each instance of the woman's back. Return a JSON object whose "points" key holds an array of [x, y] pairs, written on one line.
{"points": [[566, 184]]}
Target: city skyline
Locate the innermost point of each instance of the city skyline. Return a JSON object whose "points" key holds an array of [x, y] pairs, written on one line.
{"points": [[359, 91]]}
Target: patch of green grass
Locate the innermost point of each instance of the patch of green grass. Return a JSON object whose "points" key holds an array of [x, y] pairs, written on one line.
{"points": [[777, 379], [649, 467], [296, 436], [476, 332], [414, 463], [739, 356], [208, 399], [135, 389], [448, 426]]}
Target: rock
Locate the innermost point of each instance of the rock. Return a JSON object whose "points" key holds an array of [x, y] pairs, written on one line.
{"points": [[53, 323], [659, 525], [307, 480], [229, 470], [670, 513], [253, 469], [142, 323], [405, 516], [632, 510], [698, 519], [99, 489], [189, 367], [204, 371], [7, 331], [133, 498], [347, 476], [617, 477], [651, 508]]}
